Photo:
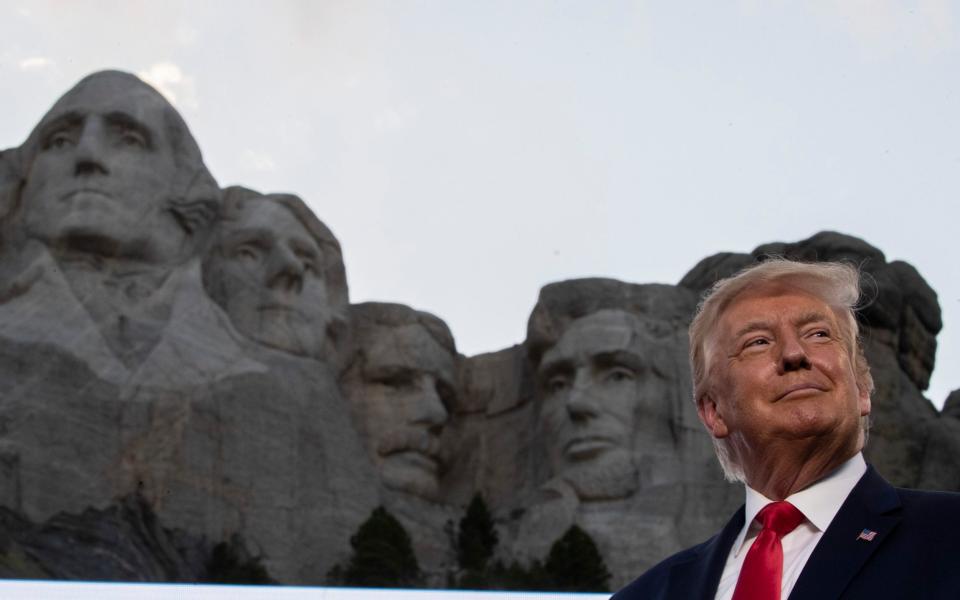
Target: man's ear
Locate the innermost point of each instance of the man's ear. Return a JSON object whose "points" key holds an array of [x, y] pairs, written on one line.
{"points": [[711, 416], [863, 397]]}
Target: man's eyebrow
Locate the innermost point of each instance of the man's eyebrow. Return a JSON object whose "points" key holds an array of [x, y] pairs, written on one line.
{"points": [[308, 245], [553, 366], [68, 118], [811, 317], [129, 122], [618, 357], [249, 234], [751, 327]]}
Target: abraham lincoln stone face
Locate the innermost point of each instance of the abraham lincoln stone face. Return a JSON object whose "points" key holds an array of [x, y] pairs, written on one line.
{"points": [[595, 383]]}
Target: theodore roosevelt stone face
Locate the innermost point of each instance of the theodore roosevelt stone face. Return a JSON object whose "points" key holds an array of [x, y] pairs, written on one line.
{"points": [[400, 391]]}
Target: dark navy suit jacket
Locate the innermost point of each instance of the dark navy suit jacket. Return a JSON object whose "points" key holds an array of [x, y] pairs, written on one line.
{"points": [[915, 553]]}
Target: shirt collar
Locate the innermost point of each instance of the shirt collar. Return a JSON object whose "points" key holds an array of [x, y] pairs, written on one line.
{"points": [[819, 503]]}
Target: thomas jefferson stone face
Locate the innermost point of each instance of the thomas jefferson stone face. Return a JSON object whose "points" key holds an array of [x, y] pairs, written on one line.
{"points": [[269, 274], [400, 400], [101, 177], [592, 385]]}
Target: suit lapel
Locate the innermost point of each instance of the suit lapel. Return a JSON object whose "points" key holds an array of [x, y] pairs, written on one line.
{"points": [[700, 576], [872, 505]]}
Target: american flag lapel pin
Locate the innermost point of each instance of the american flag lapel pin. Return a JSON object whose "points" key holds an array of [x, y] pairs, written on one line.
{"points": [[867, 535]]}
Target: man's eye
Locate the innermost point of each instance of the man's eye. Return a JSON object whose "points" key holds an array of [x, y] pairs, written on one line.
{"points": [[619, 374], [756, 342], [58, 140], [133, 138], [558, 383], [247, 252], [397, 381], [309, 262]]}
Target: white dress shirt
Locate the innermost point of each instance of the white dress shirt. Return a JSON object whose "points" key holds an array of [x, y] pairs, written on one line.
{"points": [[819, 503]]}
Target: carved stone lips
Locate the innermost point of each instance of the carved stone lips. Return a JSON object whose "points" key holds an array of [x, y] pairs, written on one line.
{"points": [[801, 389], [419, 459], [587, 446], [86, 192], [414, 447], [279, 307]]}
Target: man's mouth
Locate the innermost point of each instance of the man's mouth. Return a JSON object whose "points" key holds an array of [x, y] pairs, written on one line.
{"points": [[800, 390], [87, 193], [416, 459], [587, 446], [279, 308], [419, 449]]}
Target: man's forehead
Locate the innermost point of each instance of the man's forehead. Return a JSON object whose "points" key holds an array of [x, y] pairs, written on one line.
{"points": [[766, 305], [410, 347], [603, 332], [268, 217], [108, 95]]}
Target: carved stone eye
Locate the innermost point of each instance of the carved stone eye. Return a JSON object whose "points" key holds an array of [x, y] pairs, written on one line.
{"points": [[247, 253], [619, 374], [59, 140], [558, 383], [132, 138]]}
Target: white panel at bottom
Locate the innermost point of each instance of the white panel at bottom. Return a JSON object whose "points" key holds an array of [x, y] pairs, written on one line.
{"points": [[63, 590]]}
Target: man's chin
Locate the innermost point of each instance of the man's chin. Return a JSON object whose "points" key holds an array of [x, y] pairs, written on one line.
{"points": [[284, 335], [410, 475], [611, 475]]}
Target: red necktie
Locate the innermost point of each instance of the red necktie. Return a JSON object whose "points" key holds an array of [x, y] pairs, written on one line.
{"points": [[762, 571]]}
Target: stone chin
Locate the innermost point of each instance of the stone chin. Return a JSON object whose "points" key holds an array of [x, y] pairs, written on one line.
{"points": [[410, 472], [612, 475], [284, 331]]}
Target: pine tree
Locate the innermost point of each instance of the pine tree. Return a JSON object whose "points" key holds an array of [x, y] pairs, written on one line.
{"points": [[229, 562], [382, 555], [476, 537], [574, 564]]}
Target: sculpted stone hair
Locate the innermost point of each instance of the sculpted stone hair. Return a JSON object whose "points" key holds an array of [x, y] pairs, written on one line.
{"points": [[367, 317], [665, 308], [837, 284]]}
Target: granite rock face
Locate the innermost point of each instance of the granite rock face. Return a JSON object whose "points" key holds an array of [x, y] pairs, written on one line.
{"points": [[121, 373], [182, 375]]}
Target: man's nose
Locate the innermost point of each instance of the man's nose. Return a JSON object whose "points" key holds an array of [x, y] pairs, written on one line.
{"points": [[582, 401], [429, 409], [285, 270], [90, 152], [793, 355]]}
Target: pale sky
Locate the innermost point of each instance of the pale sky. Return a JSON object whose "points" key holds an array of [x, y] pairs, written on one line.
{"points": [[467, 153]]}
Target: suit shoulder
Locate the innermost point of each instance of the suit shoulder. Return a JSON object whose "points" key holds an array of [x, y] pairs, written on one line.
{"points": [[653, 583], [926, 498], [929, 505]]}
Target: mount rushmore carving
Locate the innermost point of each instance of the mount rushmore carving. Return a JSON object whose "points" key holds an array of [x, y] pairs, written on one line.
{"points": [[196, 347]]}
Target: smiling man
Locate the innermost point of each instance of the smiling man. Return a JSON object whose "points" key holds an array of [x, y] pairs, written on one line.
{"points": [[783, 387]]}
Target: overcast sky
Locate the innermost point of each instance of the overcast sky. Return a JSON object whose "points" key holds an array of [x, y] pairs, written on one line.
{"points": [[467, 153]]}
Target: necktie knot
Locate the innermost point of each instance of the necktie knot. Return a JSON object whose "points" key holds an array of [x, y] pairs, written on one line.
{"points": [[780, 517], [761, 576]]}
